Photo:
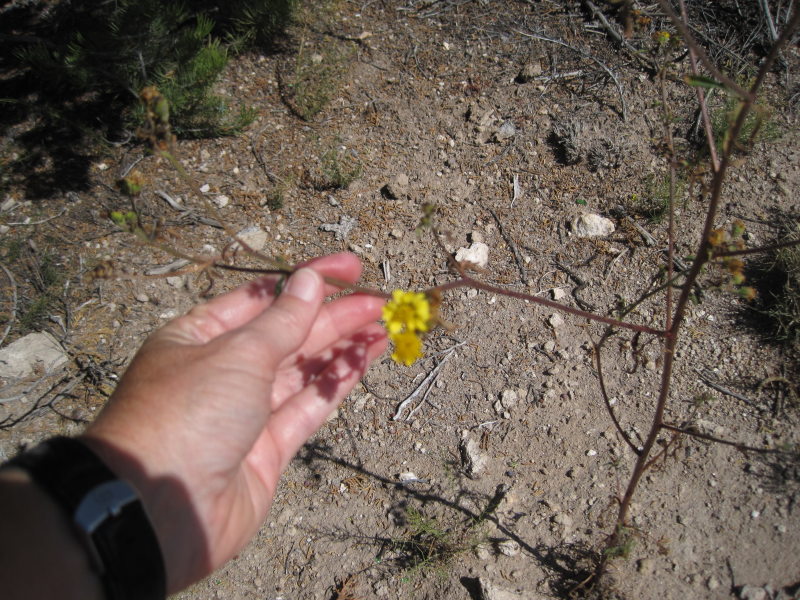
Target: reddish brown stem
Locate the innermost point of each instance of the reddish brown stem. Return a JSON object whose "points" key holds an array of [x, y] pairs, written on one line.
{"points": [[467, 281]]}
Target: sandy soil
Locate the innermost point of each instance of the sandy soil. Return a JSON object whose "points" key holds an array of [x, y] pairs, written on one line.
{"points": [[430, 102]]}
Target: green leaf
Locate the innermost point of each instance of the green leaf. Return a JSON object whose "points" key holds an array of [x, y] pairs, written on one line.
{"points": [[704, 82], [581, 201]]}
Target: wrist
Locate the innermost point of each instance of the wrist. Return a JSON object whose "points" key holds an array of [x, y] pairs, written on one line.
{"points": [[168, 506], [34, 532]]}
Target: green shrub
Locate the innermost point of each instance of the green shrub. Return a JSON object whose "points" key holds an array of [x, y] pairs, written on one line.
{"points": [[114, 49], [783, 299]]}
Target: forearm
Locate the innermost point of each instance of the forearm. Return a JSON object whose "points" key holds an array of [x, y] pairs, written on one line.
{"points": [[40, 555]]}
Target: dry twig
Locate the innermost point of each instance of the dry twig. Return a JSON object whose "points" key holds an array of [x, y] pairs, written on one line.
{"points": [[598, 62], [13, 312]]}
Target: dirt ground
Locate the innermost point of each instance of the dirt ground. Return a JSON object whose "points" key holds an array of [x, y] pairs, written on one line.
{"points": [[428, 107]]}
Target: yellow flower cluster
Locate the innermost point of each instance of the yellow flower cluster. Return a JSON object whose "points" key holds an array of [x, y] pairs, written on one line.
{"points": [[407, 316]]}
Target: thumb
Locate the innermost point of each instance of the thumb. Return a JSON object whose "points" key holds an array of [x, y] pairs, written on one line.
{"points": [[285, 325]]}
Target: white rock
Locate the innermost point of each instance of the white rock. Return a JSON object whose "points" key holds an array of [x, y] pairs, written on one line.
{"points": [[22, 358], [591, 225], [254, 237], [205, 187], [473, 459], [558, 293], [483, 551], [555, 320], [221, 201], [509, 398], [491, 591], [508, 548], [751, 592], [549, 346], [142, 297], [477, 254]]}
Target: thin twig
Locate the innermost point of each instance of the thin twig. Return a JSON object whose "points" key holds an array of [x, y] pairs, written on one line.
{"points": [[187, 211], [598, 14], [614, 262], [700, 53], [63, 210], [604, 392], [599, 63], [69, 384], [426, 383], [512, 246], [701, 99], [723, 390], [13, 313], [773, 33]]}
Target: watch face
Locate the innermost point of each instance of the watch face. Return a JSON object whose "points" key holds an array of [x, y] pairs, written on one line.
{"points": [[104, 501]]}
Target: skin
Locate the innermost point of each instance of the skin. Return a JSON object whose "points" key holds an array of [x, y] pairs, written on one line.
{"points": [[208, 415]]}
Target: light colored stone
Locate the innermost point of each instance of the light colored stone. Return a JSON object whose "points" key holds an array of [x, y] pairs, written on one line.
{"points": [[477, 254], [473, 459], [492, 591], [253, 236], [506, 131], [558, 293], [222, 201], [591, 225], [529, 72], [509, 398], [555, 320], [32, 353], [646, 566], [563, 519], [508, 548], [549, 346], [709, 427], [752, 592], [397, 188]]}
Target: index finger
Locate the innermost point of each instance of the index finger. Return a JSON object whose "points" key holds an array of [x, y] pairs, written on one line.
{"points": [[236, 308]]}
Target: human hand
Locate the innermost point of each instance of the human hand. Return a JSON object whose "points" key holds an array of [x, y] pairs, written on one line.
{"points": [[217, 402]]}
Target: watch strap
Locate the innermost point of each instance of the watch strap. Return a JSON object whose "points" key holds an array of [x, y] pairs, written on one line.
{"points": [[105, 512]]}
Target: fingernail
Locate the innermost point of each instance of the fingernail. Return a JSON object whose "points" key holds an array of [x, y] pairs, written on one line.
{"points": [[304, 284]]}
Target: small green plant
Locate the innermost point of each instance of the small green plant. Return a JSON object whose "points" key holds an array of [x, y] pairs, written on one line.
{"points": [[780, 290], [319, 70], [654, 202], [339, 167], [425, 546], [624, 540], [46, 277], [757, 126], [702, 399]]}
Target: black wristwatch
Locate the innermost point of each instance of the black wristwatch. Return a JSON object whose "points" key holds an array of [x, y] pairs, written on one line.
{"points": [[106, 514]]}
